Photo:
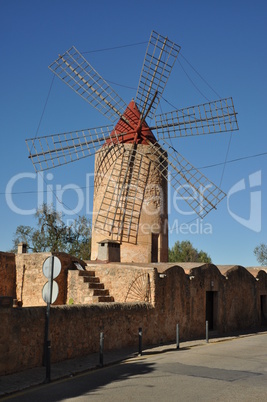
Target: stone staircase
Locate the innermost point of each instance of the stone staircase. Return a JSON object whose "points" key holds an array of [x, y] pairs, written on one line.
{"points": [[97, 291]]}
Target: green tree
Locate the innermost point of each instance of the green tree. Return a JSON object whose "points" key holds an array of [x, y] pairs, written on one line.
{"points": [[185, 252], [53, 235], [261, 253], [80, 238]]}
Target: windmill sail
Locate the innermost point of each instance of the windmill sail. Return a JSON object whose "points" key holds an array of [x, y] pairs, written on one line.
{"points": [[213, 117], [119, 212], [59, 149], [159, 60], [131, 166], [73, 69], [196, 189]]}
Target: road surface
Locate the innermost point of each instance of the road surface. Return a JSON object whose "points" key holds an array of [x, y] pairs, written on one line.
{"points": [[232, 370]]}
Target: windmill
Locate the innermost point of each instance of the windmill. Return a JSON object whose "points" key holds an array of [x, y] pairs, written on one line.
{"points": [[134, 161]]}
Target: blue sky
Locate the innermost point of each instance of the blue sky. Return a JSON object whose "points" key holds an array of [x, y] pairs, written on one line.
{"points": [[224, 42]]}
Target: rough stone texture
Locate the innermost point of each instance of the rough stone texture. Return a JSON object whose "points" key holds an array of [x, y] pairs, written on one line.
{"points": [[127, 282], [109, 251], [74, 331], [147, 192], [162, 295], [241, 299], [30, 278], [206, 278], [21, 338], [78, 292], [118, 322], [85, 287], [7, 275]]}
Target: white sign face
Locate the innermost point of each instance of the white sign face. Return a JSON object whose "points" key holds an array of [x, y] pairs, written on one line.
{"points": [[47, 290], [47, 267]]}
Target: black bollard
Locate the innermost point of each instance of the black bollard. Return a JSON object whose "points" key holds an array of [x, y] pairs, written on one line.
{"points": [[140, 335], [101, 349], [177, 336]]}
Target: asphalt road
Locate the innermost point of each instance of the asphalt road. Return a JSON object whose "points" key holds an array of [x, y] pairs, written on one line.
{"points": [[233, 370]]}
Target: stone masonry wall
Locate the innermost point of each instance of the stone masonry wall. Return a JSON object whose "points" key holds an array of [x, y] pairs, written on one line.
{"points": [[241, 299], [240, 302], [30, 278], [7, 275], [146, 211], [74, 331], [127, 282], [206, 278], [21, 338]]}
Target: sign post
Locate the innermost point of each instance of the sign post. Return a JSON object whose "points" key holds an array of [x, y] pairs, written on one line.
{"points": [[51, 269]]}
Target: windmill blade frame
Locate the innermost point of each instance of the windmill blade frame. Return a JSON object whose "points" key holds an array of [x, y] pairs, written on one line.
{"points": [[63, 148], [129, 156], [75, 71], [159, 60], [120, 209], [207, 118], [195, 188]]}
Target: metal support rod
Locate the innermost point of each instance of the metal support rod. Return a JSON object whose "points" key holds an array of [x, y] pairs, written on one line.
{"points": [[48, 361], [140, 336], [47, 345], [207, 331], [101, 349], [177, 337]]}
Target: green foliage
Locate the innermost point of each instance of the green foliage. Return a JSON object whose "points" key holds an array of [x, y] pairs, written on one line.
{"points": [[53, 235], [261, 253], [185, 252]]}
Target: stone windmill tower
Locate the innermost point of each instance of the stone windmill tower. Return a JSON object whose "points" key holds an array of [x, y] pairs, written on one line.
{"points": [[130, 193], [132, 168]]}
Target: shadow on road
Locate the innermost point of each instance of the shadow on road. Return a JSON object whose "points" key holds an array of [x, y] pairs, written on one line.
{"points": [[83, 384]]}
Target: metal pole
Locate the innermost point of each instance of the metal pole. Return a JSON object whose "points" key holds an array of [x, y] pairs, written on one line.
{"points": [[207, 331], [47, 322], [177, 336], [101, 349], [140, 335], [48, 361]]}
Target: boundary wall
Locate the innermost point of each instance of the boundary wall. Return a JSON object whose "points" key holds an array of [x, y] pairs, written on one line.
{"points": [[179, 294], [74, 331]]}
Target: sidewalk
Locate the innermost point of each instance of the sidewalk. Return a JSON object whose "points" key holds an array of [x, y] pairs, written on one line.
{"points": [[16, 382]]}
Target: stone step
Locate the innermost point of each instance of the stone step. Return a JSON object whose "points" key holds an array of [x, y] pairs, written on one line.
{"points": [[87, 273], [100, 292], [94, 285], [96, 289], [91, 279], [103, 299]]}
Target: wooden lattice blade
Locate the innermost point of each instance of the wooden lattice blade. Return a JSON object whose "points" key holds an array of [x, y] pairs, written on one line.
{"points": [[73, 69], [159, 59], [119, 213], [104, 163], [208, 118], [59, 149], [196, 189]]}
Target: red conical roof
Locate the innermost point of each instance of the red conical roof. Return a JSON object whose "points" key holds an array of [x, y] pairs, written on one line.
{"points": [[129, 128]]}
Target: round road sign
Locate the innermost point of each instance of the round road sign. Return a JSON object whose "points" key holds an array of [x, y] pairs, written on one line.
{"points": [[47, 267], [47, 290]]}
